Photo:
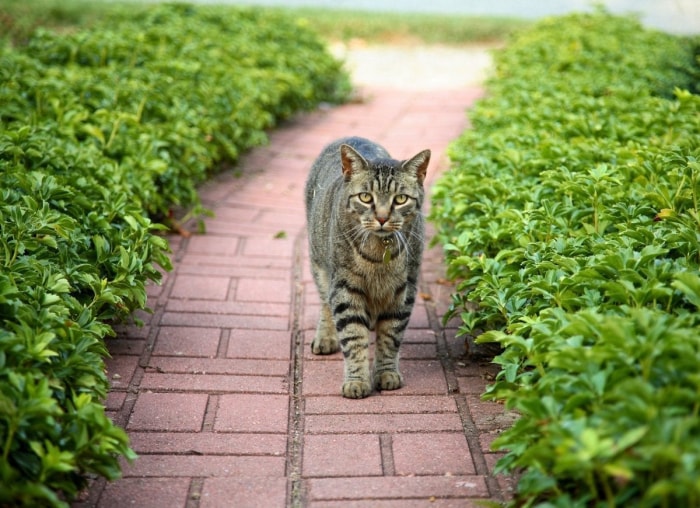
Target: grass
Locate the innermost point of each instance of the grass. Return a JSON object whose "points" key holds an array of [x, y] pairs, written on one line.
{"points": [[385, 27], [19, 18]]}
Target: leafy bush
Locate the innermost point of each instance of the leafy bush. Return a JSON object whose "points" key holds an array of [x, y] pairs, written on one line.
{"points": [[100, 130], [170, 93], [571, 218]]}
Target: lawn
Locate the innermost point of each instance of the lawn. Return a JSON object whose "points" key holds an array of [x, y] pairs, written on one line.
{"points": [[19, 17]]}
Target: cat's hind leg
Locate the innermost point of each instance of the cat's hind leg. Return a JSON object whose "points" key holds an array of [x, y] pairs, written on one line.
{"points": [[326, 340]]}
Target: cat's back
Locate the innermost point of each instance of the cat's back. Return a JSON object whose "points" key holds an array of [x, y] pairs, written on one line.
{"points": [[327, 166], [368, 149]]}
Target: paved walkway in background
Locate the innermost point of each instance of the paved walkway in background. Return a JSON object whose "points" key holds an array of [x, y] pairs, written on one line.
{"points": [[219, 392]]}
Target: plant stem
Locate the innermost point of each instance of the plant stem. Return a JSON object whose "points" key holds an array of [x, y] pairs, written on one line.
{"points": [[12, 428], [595, 211]]}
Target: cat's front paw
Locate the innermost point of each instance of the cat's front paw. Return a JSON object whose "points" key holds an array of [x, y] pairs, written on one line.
{"points": [[388, 380], [324, 346], [356, 389]]}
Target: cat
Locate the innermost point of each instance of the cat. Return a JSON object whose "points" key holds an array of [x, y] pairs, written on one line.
{"points": [[366, 235]]}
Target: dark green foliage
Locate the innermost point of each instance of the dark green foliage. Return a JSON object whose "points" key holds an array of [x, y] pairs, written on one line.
{"points": [[74, 255], [100, 130], [571, 217], [166, 95]]}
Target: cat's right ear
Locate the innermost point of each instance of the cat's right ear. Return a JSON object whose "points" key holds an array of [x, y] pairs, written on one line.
{"points": [[419, 165], [351, 161]]}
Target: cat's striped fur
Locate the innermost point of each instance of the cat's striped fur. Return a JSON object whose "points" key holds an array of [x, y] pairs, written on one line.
{"points": [[366, 238]]}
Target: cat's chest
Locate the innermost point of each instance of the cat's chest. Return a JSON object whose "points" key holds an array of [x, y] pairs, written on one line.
{"points": [[381, 281]]}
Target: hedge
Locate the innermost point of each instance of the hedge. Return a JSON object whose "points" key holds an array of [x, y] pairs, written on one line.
{"points": [[102, 132], [571, 224]]}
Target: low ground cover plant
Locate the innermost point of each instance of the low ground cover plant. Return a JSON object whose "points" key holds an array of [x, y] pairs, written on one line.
{"points": [[102, 131], [570, 218]]}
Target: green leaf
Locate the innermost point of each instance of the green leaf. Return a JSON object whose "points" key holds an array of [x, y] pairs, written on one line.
{"points": [[95, 132], [631, 438], [689, 284]]}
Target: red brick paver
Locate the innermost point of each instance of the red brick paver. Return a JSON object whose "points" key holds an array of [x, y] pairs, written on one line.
{"points": [[224, 402]]}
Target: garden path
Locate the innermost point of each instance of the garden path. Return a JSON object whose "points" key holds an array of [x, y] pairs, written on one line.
{"points": [[219, 392]]}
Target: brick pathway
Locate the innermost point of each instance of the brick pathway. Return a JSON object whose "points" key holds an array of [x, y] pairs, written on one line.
{"points": [[219, 392]]}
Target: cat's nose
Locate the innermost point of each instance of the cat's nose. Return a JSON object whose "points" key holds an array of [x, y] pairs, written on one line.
{"points": [[382, 220]]}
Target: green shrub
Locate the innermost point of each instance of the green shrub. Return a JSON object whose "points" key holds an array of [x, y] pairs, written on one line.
{"points": [[101, 131], [169, 94], [571, 218], [74, 257]]}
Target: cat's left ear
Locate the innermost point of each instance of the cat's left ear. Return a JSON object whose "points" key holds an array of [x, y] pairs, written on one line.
{"points": [[418, 165]]}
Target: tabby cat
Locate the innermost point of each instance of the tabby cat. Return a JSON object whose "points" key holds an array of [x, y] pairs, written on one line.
{"points": [[363, 210]]}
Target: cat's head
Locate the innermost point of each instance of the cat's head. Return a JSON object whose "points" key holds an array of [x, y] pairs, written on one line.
{"points": [[385, 194]]}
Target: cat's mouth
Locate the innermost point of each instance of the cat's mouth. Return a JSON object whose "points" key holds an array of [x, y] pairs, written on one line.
{"points": [[383, 233], [382, 230], [386, 228]]}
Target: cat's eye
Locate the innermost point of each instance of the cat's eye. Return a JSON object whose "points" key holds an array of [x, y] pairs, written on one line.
{"points": [[365, 197], [400, 199]]}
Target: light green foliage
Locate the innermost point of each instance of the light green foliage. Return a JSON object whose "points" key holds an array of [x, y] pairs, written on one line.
{"points": [[571, 217], [101, 129], [393, 27], [19, 17]]}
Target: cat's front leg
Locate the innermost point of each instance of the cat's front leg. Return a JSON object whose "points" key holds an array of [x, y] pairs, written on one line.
{"points": [[352, 328], [390, 329], [356, 383], [325, 341]]}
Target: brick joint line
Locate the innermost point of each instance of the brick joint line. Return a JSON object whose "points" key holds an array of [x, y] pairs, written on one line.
{"points": [[122, 416], [471, 433], [222, 348], [296, 418], [387, 454], [210, 413], [194, 494]]}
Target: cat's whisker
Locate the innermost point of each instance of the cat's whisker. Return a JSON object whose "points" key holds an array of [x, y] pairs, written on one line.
{"points": [[365, 236], [355, 233], [415, 235], [358, 234], [403, 242]]}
